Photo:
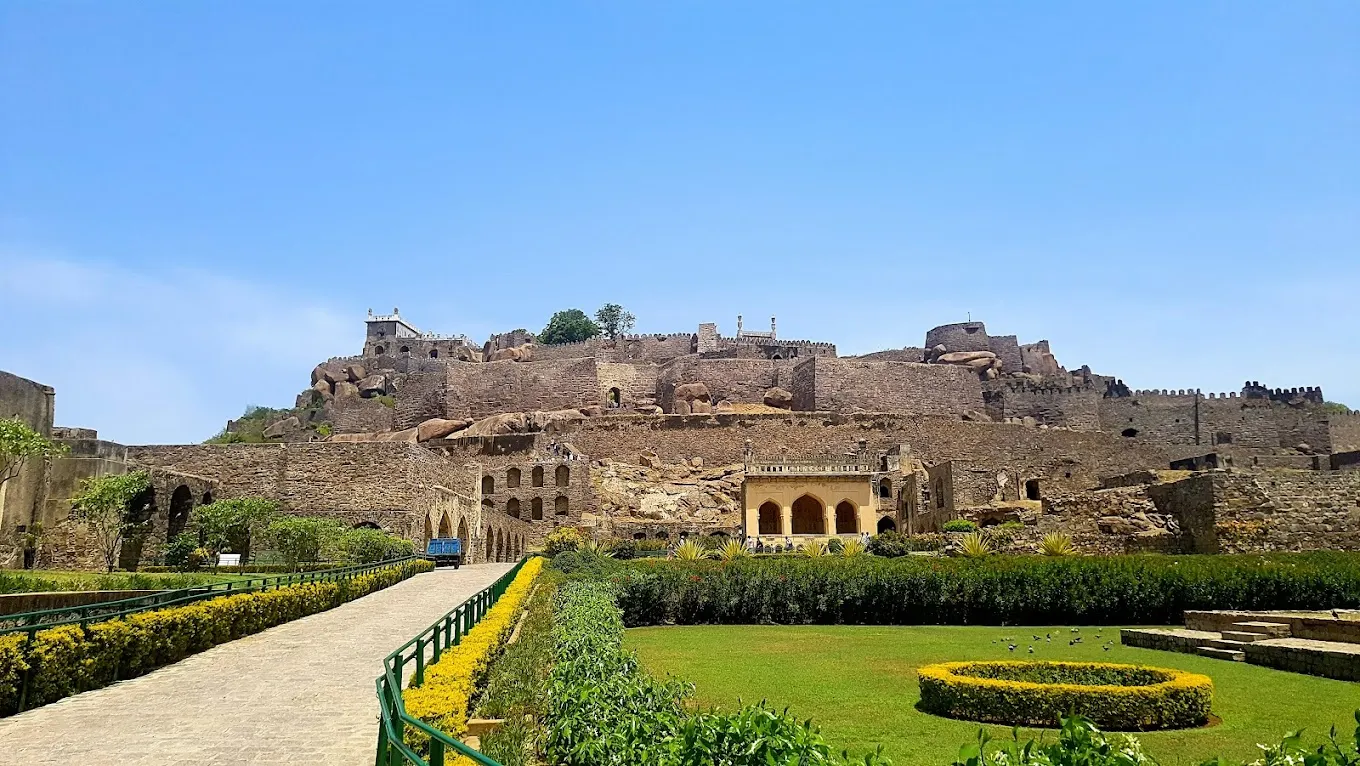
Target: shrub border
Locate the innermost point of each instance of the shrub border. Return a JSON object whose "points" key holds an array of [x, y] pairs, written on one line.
{"points": [[1181, 701]]}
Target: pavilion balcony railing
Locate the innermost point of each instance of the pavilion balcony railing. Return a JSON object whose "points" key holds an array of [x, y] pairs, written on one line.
{"points": [[829, 464], [418, 653]]}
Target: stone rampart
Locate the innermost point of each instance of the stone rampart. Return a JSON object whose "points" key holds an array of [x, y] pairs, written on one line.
{"points": [[1067, 406], [853, 385], [480, 390], [1344, 431]]}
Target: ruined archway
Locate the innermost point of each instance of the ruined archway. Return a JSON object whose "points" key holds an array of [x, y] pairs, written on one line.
{"points": [[560, 505], [429, 531], [536, 476], [886, 524], [563, 476], [512, 478], [463, 535], [138, 514], [488, 485], [445, 526], [809, 517], [847, 518], [536, 509], [181, 502], [512, 507], [767, 518]]}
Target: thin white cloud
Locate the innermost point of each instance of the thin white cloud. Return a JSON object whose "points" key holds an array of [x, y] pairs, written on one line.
{"points": [[158, 357]]}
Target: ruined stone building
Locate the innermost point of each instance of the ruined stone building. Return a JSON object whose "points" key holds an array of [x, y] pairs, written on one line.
{"points": [[646, 436]]}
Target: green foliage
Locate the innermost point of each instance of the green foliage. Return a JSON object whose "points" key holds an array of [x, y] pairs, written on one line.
{"points": [[181, 552], [250, 427], [604, 709], [561, 539], [1292, 752], [834, 545], [1017, 590], [613, 320], [974, 545], [813, 549], [732, 550], [367, 546], [301, 539], [1079, 743], [19, 444], [517, 684], [103, 507], [386, 401], [568, 326], [1057, 544], [323, 430], [960, 525], [690, 551], [1336, 408], [892, 544], [852, 547]]}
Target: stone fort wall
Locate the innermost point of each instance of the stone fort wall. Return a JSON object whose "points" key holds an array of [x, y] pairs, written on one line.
{"points": [[1067, 406], [490, 388], [736, 380], [851, 385], [1344, 431], [1189, 417]]}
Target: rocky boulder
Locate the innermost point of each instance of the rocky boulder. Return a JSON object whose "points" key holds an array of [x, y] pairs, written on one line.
{"points": [[345, 388], [408, 436], [497, 425], [522, 353], [778, 398], [723, 407], [681, 407], [438, 428], [355, 373], [700, 407], [373, 385], [283, 427]]}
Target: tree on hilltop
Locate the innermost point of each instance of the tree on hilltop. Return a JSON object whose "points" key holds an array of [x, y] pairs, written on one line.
{"points": [[568, 326], [614, 320]]}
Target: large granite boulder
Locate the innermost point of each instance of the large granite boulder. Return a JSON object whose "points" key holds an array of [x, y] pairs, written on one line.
{"points": [[522, 353], [373, 385], [355, 373], [283, 427], [345, 388], [438, 428], [691, 392], [778, 398]]}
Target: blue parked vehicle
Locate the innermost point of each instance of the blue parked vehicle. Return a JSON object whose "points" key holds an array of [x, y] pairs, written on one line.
{"points": [[446, 550]]}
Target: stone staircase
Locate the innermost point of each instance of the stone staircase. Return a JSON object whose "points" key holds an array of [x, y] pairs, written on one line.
{"points": [[1320, 643], [1231, 644]]}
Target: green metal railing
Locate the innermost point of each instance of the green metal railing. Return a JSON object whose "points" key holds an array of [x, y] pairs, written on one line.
{"points": [[446, 632], [31, 622]]}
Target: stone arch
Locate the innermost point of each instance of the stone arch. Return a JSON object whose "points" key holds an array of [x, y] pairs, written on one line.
{"points": [[512, 507], [139, 510], [379, 350], [885, 487], [500, 545], [488, 485], [809, 516], [463, 534], [847, 518], [434, 353], [536, 509], [490, 543], [429, 530], [445, 526], [406, 349], [639, 535], [512, 478], [767, 518], [536, 476], [663, 535], [207, 498], [886, 524], [181, 502], [563, 476], [561, 505]]}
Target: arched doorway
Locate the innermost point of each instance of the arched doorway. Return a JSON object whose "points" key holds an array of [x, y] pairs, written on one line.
{"points": [[488, 485], [560, 505], [885, 487], [536, 476], [847, 519], [490, 544], [500, 545], [767, 518], [181, 502], [140, 510], [809, 516], [536, 509], [886, 524], [613, 399], [445, 526], [429, 532], [207, 498], [512, 478], [463, 533], [512, 507], [563, 476]]}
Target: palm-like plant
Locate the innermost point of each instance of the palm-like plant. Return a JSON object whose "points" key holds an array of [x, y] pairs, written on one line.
{"points": [[814, 549], [852, 547], [731, 550], [595, 547], [1057, 544], [974, 545], [690, 551]]}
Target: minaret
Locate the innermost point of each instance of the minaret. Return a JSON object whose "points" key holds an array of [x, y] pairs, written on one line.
{"points": [[771, 328], [738, 325]]}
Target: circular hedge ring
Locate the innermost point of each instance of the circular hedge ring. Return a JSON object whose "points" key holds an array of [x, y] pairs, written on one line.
{"points": [[1118, 697]]}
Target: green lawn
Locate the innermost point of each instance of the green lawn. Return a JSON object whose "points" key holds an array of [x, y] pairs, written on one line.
{"points": [[35, 580], [859, 684]]}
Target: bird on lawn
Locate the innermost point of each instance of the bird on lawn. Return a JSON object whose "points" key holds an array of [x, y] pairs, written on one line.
{"points": [[1031, 650], [1012, 647]]}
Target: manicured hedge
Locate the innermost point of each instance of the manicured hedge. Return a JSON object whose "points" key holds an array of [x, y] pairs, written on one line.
{"points": [[443, 700], [1121, 697], [1017, 590], [71, 659]]}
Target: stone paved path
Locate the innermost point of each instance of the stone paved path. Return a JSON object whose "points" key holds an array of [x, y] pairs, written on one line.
{"points": [[300, 693]]}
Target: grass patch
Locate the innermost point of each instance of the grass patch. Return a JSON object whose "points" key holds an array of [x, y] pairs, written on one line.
{"points": [[42, 580], [859, 684]]}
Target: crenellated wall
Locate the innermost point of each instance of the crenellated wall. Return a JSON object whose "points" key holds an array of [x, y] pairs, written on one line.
{"points": [[853, 385], [1344, 431], [1068, 406]]}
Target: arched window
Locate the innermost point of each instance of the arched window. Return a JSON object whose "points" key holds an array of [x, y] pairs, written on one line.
{"points": [[367, 525], [405, 349], [768, 518], [847, 520], [536, 509], [639, 535], [662, 535], [181, 502], [208, 498], [885, 487], [512, 478], [488, 485], [536, 476], [563, 476], [434, 353], [886, 524], [512, 507], [382, 334], [379, 350], [808, 516], [560, 505]]}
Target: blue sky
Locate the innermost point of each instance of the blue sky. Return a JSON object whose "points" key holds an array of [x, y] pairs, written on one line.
{"points": [[199, 201]]}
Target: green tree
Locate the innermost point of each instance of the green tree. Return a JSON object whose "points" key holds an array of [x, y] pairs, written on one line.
{"points": [[19, 444], [1335, 407], [229, 525], [568, 326], [365, 546], [614, 320], [301, 539], [104, 507]]}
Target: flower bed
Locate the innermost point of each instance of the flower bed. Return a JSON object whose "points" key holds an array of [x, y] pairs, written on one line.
{"points": [[443, 700], [71, 659], [1122, 697]]}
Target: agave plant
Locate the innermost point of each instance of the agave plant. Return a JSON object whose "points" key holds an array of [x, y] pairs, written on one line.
{"points": [[690, 551], [733, 549], [595, 547], [974, 545], [1057, 544], [852, 547], [814, 549]]}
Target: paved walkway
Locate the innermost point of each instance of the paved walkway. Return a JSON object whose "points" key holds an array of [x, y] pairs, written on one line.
{"points": [[298, 693]]}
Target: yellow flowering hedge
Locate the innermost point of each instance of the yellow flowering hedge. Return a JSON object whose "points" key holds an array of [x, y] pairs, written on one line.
{"points": [[71, 659], [443, 700], [1121, 697]]}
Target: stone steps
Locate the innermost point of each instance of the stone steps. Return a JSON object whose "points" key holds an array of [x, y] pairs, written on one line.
{"points": [[1266, 629], [1222, 654], [1244, 636], [1222, 643]]}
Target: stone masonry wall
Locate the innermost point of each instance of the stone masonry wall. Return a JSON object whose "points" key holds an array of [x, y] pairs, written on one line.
{"points": [[480, 390], [1071, 407], [1287, 510], [636, 382], [736, 380], [851, 385], [32, 404], [1345, 431]]}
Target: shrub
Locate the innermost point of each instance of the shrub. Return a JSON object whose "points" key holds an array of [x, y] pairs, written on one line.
{"points": [[179, 554], [443, 700], [561, 539], [813, 549], [834, 545], [367, 546], [1057, 544], [974, 545], [13, 665], [690, 551], [852, 548], [893, 545], [1079, 743], [70, 659], [1016, 590], [1040, 693], [960, 525], [733, 549]]}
